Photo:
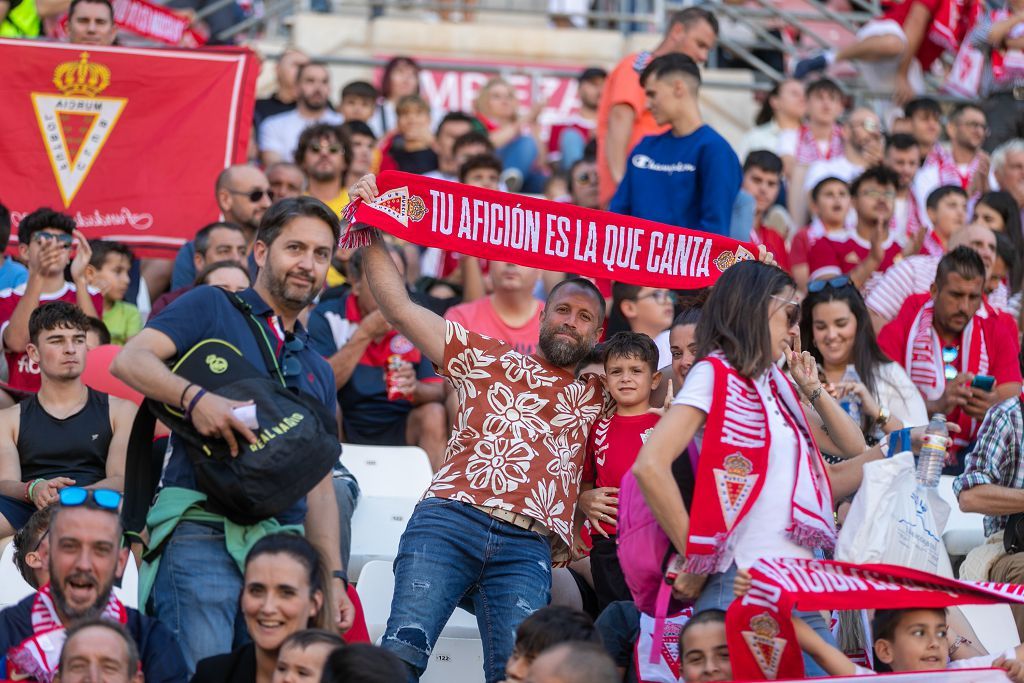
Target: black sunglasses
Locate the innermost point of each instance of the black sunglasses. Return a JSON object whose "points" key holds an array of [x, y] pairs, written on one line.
{"points": [[317, 148], [255, 195], [290, 365], [835, 283]]}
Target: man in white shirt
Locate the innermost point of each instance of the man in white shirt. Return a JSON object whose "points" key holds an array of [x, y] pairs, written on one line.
{"points": [[279, 134], [862, 147]]}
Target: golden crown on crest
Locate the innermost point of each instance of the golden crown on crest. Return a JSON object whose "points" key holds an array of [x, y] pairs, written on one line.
{"points": [[764, 625], [81, 77]]}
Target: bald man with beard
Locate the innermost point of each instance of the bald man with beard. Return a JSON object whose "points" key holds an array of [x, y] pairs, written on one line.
{"points": [[243, 195]]}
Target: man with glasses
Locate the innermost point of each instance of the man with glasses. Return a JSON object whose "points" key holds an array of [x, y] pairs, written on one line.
{"points": [[870, 248], [279, 134], [243, 195], [86, 557], [948, 341], [647, 310], [67, 434], [46, 240], [323, 154], [583, 187], [862, 147], [197, 579]]}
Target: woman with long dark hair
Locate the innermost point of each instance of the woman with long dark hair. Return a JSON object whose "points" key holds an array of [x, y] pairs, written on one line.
{"points": [[999, 212], [285, 591], [401, 77], [837, 330], [762, 489]]}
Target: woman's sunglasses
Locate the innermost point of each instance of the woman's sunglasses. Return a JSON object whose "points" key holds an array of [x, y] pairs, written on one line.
{"points": [[835, 283]]}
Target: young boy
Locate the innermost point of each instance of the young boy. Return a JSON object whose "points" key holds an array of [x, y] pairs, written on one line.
{"points": [[544, 628], [358, 101], [302, 655], [830, 203], [631, 373], [947, 212], [818, 140], [411, 149], [703, 650], [762, 179], [108, 272], [647, 310]]}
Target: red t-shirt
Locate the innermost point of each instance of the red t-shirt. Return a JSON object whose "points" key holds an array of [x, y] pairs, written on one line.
{"points": [[479, 316], [613, 446], [23, 372], [835, 255], [898, 10], [773, 242]]}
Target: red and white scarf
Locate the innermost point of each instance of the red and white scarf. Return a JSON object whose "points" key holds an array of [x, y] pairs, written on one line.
{"points": [[539, 233], [38, 656], [734, 463], [656, 658], [809, 151], [759, 626], [924, 364]]}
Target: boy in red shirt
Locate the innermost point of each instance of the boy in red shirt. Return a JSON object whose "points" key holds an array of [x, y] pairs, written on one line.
{"points": [[762, 179], [631, 374]]}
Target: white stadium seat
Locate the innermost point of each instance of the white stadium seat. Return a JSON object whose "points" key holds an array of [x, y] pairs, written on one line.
{"points": [[964, 530], [377, 527], [389, 471], [994, 625]]}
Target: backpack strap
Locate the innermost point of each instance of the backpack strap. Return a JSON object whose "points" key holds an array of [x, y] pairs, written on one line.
{"points": [[142, 473], [269, 358]]}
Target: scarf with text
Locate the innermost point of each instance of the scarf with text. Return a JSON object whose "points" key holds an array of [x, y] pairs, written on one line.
{"points": [[762, 641], [733, 465], [37, 657], [923, 362], [539, 233]]}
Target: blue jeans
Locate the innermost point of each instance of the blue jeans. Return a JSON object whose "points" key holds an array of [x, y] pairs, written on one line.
{"points": [[453, 555], [521, 153], [196, 593], [571, 145], [717, 594]]}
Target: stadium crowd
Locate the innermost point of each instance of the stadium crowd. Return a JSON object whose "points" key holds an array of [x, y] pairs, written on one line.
{"points": [[884, 287]]}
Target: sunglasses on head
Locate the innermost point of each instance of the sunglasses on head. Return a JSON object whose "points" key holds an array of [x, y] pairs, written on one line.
{"points": [[255, 195], [76, 496], [949, 356], [835, 283]]}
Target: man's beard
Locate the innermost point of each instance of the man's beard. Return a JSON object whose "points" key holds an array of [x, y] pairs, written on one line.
{"points": [[279, 288], [313, 105], [562, 353], [71, 614], [323, 175]]}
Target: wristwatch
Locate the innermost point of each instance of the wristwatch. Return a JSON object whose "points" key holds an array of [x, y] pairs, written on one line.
{"points": [[343, 575], [883, 417]]}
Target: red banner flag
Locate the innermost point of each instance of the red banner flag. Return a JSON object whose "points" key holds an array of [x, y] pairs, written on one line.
{"points": [[127, 141], [539, 233], [762, 641]]}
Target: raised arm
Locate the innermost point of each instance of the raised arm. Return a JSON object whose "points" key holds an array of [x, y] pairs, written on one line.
{"points": [[424, 328]]}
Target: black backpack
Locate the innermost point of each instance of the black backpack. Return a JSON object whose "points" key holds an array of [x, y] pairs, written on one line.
{"points": [[297, 442]]}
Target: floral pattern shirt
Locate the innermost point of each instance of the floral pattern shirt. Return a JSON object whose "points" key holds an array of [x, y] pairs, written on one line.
{"points": [[520, 433]]}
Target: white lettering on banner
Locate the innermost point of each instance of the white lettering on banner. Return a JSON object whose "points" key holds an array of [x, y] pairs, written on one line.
{"points": [[644, 162], [763, 595], [744, 423], [675, 254], [123, 218]]}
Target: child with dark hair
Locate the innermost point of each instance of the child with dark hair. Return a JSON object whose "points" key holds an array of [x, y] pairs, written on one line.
{"points": [[32, 548], [303, 654], [631, 373], [108, 271], [543, 629]]}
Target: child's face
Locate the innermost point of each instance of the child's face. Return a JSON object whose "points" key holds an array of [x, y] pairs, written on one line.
{"points": [[630, 380], [483, 177], [704, 654], [295, 664], [113, 277], [762, 186], [950, 215], [920, 642], [652, 309], [413, 122], [926, 127], [833, 203], [357, 108], [683, 345]]}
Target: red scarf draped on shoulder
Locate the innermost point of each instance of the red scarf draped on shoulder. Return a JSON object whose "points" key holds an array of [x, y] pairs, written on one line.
{"points": [[538, 233], [734, 462], [762, 641], [37, 657]]}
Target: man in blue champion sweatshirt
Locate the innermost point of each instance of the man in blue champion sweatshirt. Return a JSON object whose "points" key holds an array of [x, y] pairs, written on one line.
{"points": [[688, 176]]}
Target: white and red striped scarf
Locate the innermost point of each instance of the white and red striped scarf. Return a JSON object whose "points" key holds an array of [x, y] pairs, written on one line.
{"points": [[734, 462], [38, 656], [808, 151], [924, 364]]}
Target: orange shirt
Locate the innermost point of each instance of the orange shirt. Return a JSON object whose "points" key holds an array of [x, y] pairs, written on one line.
{"points": [[623, 87]]}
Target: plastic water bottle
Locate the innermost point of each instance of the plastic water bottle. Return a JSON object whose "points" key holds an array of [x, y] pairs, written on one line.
{"points": [[933, 452], [851, 402]]}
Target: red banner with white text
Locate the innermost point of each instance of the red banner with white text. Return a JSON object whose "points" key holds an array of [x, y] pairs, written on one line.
{"points": [[127, 141]]}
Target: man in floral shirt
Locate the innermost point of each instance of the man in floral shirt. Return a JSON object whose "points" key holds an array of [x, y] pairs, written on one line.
{"points": [[499, 511]]}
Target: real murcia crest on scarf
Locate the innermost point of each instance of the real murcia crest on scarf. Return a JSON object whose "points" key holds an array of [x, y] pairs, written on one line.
{"points": [[734, 485], [765, 644], [730, 258], [401, 205]]}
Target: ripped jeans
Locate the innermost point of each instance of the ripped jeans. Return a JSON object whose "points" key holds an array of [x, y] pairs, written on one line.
{"points": [[453, 555]]}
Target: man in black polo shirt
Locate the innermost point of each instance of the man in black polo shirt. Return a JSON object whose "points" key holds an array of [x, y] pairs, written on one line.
{"points": [[197, 580]]}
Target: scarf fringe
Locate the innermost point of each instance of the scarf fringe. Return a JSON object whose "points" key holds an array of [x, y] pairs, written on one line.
{"points": [[706, 563], [357, 236], [811, 537]]}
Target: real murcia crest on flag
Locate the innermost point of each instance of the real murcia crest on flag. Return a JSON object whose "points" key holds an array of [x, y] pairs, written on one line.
{"points": [[76, 123], [765, 644], [730, 258], [400, 205], [734, 485]]}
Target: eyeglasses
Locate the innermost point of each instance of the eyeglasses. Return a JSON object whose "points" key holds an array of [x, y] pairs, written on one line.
{"points": [[878, 194], [76, 496], [42, 538], [660, 296], [793, 314], [977, 125], [835, 283], [255, 195], [949, 356], [585, 178], [316, 148]]}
